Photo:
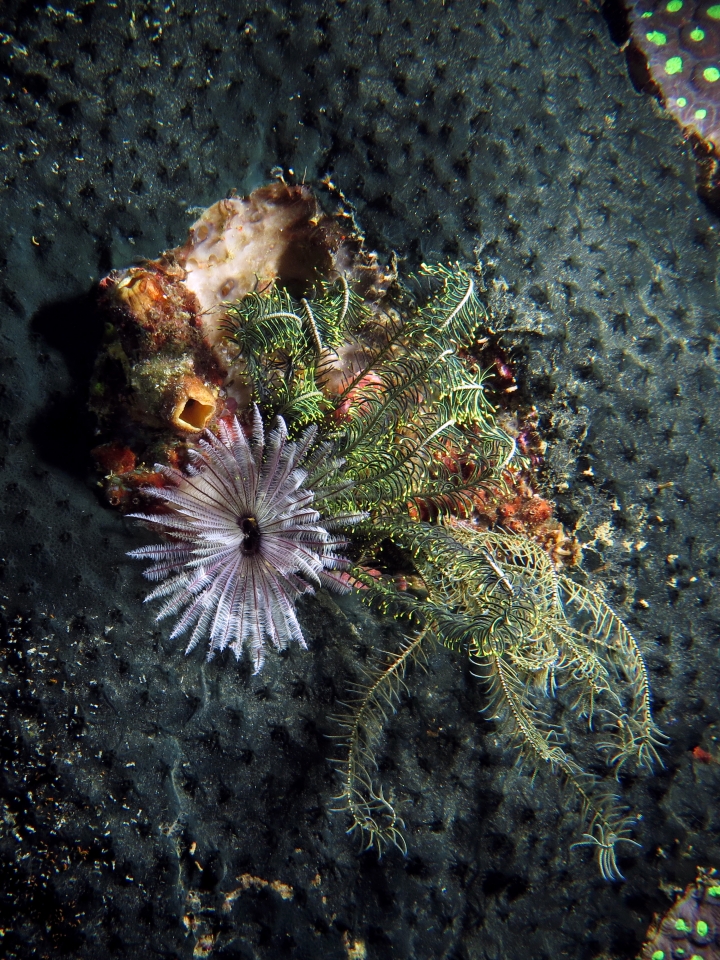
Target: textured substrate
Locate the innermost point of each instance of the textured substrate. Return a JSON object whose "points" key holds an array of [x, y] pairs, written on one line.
{"points": [[138, 785]]}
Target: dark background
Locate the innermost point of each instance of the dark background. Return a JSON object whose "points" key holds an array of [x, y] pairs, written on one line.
{"points": [[138, 785]]}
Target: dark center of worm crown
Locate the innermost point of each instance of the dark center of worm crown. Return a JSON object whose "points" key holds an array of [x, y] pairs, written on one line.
{"points": [[251, 534]]}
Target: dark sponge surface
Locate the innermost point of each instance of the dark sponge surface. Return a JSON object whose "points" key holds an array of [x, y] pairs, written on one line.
{"points": [[140, 789]]}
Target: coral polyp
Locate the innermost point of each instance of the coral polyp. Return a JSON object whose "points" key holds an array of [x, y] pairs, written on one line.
{"points": [[691, 927], [681, 41], [245, 539]]}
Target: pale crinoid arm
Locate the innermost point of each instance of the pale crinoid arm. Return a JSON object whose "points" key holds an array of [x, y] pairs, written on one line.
{"points": [[603, 838], [635, 735], [373, 815], [537, 740]]}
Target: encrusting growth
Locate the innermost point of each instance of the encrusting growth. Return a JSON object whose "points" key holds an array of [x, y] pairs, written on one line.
{"points": [[395, 433]]}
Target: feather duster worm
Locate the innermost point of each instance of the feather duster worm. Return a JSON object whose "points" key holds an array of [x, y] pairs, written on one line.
{"points": [[245, 539]]}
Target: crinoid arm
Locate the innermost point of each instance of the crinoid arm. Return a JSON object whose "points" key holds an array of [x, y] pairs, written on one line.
{"points": [[633, 735], [372, 814], [405, 432], [531, 634], [390, 384], [286, 344], [603, 838], [540, 741]]}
